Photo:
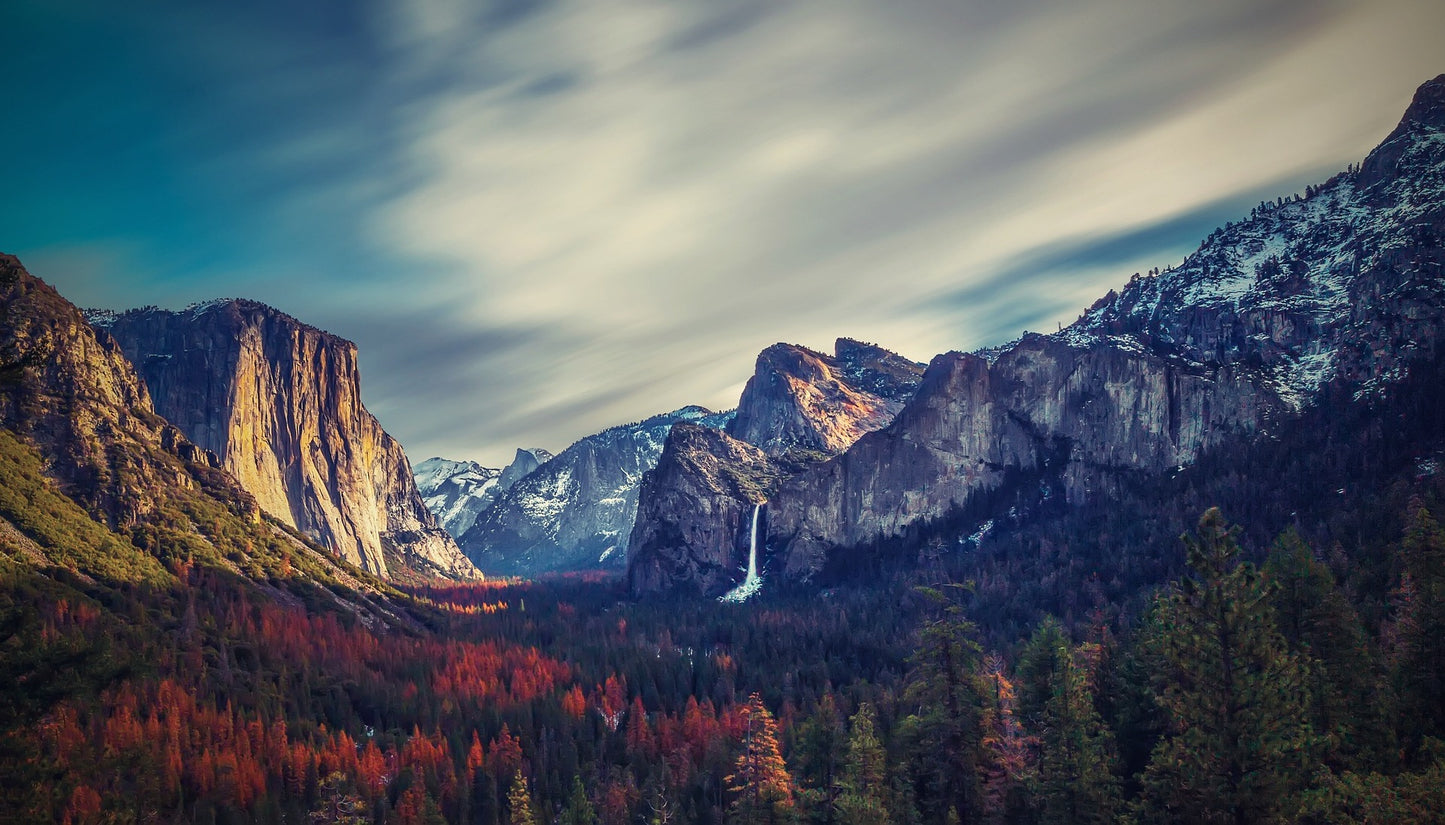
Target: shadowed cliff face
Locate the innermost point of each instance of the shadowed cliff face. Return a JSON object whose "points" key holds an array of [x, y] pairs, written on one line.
{"points": [[695, 512], [279, 402], [798, 399]]}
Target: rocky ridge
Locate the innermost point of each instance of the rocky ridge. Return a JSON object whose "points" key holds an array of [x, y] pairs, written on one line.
{"points": [[800, 399], [1337, 290]]}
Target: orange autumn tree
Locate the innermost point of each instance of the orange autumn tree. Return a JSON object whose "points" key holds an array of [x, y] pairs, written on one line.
{"points": [[761, 784]]}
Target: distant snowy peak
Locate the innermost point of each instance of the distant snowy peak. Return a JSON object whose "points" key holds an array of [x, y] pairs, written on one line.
{"points": [[575, 511], [1295, 289], [527, 460], [456, 491]]}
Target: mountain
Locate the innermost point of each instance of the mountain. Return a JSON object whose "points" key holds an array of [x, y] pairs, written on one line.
{"points": [[576, 510], [799, 408], [1333, 294], [457, 492], [279, 403], [799, 399], [101, 491], [694, 512]]}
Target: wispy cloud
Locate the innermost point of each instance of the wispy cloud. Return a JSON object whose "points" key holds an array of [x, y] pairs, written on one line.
{"points": [[542, 218]]}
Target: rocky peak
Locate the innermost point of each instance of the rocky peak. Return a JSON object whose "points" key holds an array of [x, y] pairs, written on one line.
{"points": [[800, 399], [1418, 133], [72, 393], [523, 463], [279, 401]]}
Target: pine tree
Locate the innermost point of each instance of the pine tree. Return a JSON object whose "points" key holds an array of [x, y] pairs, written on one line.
{"points": [[579, 810], [818, 744], [762, 787], [861, 796], [1420, 629], [1078, 780], [1349, 703], [943, 738], [1035, 670], [1238, 740], [519, 800]]}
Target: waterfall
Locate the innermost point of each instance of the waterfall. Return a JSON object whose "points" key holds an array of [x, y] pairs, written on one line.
{"points": [[753, 582]]}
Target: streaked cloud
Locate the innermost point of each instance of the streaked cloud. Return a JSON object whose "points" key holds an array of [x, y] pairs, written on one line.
{"points": [[541, 218]]}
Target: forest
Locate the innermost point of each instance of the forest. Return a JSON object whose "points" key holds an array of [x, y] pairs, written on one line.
{"points": [[1243, 691], [1259, 637]]}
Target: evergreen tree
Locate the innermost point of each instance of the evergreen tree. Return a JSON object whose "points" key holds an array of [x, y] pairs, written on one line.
{"points": [[819, 742], [579, 810], [1035, 670], [760, 782], [862, 799], [1078, 780], [1239, 739], [1350, 702], [519, 801], [1420, 629], [943, 737]]}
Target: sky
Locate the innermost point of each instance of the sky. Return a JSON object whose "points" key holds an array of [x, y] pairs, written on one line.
{"points": [[540, 219]]}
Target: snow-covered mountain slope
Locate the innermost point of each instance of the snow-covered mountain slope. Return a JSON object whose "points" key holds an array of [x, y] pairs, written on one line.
{"points": [[1304, 287], [457, 492], [575, 512]]}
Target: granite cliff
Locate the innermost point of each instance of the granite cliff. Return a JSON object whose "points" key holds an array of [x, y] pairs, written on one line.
{"points": [[279, 403], [799, 399]]}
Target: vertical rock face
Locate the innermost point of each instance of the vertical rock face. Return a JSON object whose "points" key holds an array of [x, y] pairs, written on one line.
{"points": [[574, 511], [798, 399], [695, 513], [1044, 416], [279, 402], [523, 464]]}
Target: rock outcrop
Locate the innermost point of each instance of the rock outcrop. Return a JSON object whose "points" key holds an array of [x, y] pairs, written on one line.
{"points": [[279, 402], [457, 492], [576, 510], [799, 399], [693, 523], [799, 408]]}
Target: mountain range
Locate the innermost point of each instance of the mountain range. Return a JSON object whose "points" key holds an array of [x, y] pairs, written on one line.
{"points": [[1333, 291], [1336, 292]]}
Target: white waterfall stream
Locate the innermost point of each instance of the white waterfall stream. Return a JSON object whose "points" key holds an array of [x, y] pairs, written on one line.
{"points": [[753, 582]]}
